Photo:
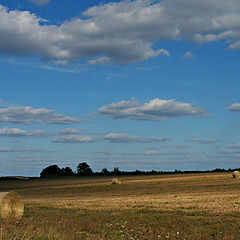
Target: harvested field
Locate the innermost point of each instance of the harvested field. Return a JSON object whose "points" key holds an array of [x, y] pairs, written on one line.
{"points": [[177, 206]]}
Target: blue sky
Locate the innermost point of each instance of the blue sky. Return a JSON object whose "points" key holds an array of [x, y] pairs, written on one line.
{"points": [[130, 84]]}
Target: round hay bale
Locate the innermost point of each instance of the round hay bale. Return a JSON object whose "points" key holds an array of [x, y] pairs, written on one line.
{"points": [[116, 181], [11, 205], [236, 174]]}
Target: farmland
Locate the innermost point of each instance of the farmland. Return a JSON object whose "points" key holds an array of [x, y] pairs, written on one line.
{"points": [[177, 206]]}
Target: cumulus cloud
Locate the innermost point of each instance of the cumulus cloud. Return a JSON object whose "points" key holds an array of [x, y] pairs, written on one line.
{"points": [[156, 109], [235, 107], [23, 33], [204, 141], [237, 145], [99, 61], [6, 149], [16, 132], [230, 151], [104, 152], [151, 152], [70, 131], [188, 55], [27, 115], [123, 31], [125, 138], [157, 153], [40, 2], [9, 149], [177, 145], [74, 139]]}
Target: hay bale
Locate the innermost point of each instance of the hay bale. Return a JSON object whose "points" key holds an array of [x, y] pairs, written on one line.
{"points": [[11, 205], [116, 181], [236, 174]]}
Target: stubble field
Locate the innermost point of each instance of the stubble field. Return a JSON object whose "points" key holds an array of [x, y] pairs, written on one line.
{"points": [[177, 206]]}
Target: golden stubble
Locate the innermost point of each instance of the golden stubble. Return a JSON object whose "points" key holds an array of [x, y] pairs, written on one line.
{"points": [[215, 193]]}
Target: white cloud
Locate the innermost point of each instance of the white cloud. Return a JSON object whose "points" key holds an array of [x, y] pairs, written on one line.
{"points": [[74, 139], [234, 107], [151, 152], [104, 152], [204, 141], [23, 33], [214, 37], [125, 138], [188, 55], [122, 32], [94, 132], [156, 109], [9, 149], [230, 151], [163, 52], [26, 115], [16, 132], [99, 61], [237, 145], [156, 153], [6, 149], [70, 131], [177, 145], [40, 2], [235, 45]]}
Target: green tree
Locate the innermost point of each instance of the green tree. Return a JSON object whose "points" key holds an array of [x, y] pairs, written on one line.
{"points": [[51, 171], [105, 171], [116, 171], [84, 169], [67, 171]]}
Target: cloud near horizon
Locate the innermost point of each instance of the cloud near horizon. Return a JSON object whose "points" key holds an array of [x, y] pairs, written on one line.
{"points": [[40, 2], [16, 132], [156, 109], [74, 139], [70, 131], [111, 137], [237, 145], [177, 145], [122, 32], [10, 149], [28, 115], [235, 107], [188, 55], [157, 153], [125, 138], [204, 141]]}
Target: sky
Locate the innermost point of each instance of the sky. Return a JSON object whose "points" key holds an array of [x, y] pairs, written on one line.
{"points": [[138, 85]]}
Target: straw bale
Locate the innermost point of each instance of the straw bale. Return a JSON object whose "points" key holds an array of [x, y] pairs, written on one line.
{"points": [[116, 181], [11, 205], [236, 174]]}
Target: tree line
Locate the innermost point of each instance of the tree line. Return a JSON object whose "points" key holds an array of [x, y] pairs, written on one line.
{"points": [[83, 169]]}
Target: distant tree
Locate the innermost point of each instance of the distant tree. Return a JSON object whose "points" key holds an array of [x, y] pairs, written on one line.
{"points": [[105, 171], [84, 169], [116, 170], [67, 171], [137, 172], [51, 171]]}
